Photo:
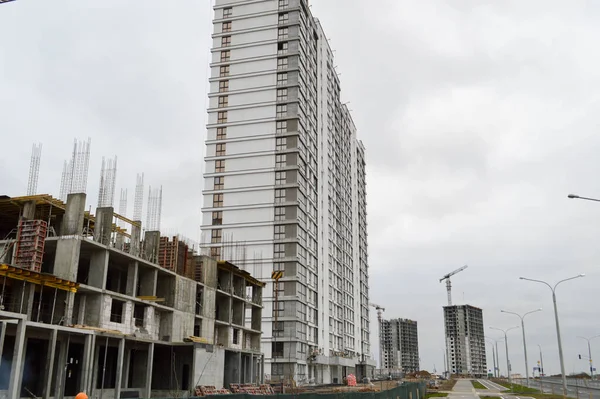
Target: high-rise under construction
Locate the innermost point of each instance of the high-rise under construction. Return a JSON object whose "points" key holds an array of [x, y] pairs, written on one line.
{"points": [[465, 340], [400, 345], [285, 181]]}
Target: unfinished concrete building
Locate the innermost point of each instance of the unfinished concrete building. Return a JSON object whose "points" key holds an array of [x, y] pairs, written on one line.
{"points": [[400, 345], [86, 306], [465, 340]]}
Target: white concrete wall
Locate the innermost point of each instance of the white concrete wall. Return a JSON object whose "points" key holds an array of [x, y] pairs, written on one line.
{"points": [[209, 367]]}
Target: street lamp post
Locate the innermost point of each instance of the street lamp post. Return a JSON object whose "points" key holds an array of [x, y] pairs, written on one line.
{"points": [[493, 355], [558, 338], [590, 353], [541, 372], [497, 361], [506, 347], [524, 342]]}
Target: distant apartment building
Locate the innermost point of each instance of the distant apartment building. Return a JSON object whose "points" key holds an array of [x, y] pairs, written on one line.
{"points": [[284, 186], [465, 340], [400, 345]]}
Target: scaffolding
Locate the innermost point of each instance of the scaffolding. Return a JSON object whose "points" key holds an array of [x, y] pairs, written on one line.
{"points": [[30, 244]]}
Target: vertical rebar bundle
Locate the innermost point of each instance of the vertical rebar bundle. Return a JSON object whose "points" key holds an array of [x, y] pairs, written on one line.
{"points": [[34, 169], [139, 198], [75, 171], [154, 209], [108, 174], [123, 206]]}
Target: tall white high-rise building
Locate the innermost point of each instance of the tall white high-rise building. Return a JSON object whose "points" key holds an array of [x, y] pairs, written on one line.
{"points": [[284, 186]]}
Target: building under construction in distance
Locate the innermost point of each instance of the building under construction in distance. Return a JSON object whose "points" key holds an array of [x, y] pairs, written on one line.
{"points": [[465, 340], [92, 303], [399, 345]]}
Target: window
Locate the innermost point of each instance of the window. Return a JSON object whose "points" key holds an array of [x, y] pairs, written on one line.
{"points": [[217, 200], [224, 101], [280, 160], [282, 94], [226, 26], [220, 150], [225, 42], [282, 33], [221, 133], [227, 12], [280, 195], [222, 117], [284, 18], [279, 213], [282, 78], [215, 252], [223, 86], [280, 143], [225, 55], [223, 70], [236, 336], [281, 111], [280, 178], [277, 349], [220, 165], [281, 127], [282, 63], [284, 3], [217, 218], [219, 182], [215, 236], [279, 250], [282, 48], [278, 329], [279, 232], [116, 311]]}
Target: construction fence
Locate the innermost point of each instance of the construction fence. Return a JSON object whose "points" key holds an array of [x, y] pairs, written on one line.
{"points": [[409, 390]]}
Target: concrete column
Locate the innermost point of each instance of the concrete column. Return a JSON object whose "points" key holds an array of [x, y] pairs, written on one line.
{"points": [[81, 314], [136, 238], [72, 223], [119, 374], [94, 373], [149, 369], [98, 269], [2, 336], [50, 364], [29, 210], [70, 303], [69, 242], [239, 370], [132, 278], [252, 360], [86, 363], [103, 225], [62, 368], [14, 383], [151, 243]]}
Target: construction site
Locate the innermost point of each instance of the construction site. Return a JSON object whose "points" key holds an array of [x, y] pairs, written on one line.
{"points": [[94, 303]]}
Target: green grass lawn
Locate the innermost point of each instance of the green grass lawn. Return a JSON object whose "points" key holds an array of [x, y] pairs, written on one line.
{"points": [[435, 395], [478, 385], [516, 388]]}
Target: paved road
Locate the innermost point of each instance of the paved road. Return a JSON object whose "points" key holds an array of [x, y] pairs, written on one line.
{"points": [[573, 391], [463, 389]]}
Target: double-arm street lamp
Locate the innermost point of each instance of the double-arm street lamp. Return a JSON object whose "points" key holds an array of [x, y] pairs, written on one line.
{"points": [[590, 353], [558, 338], [495, 356], [506, 347], [522, 317]]}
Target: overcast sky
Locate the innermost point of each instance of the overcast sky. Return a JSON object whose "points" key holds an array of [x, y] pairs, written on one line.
{"points": [[478, 117]]}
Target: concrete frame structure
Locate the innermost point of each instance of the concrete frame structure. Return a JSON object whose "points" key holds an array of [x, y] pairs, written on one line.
{"points": [[400, 345], [285, 178], [103, 318], [465, 340]]}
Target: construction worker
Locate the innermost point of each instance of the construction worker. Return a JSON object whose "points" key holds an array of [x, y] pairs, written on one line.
{"points": [[81, 395]]}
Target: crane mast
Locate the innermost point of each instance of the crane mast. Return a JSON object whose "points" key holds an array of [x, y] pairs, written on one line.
{"points": [[449, 284]]}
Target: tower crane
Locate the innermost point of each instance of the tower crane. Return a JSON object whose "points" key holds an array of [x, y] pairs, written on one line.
{"points": [[380, 310], [449, 285]]}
